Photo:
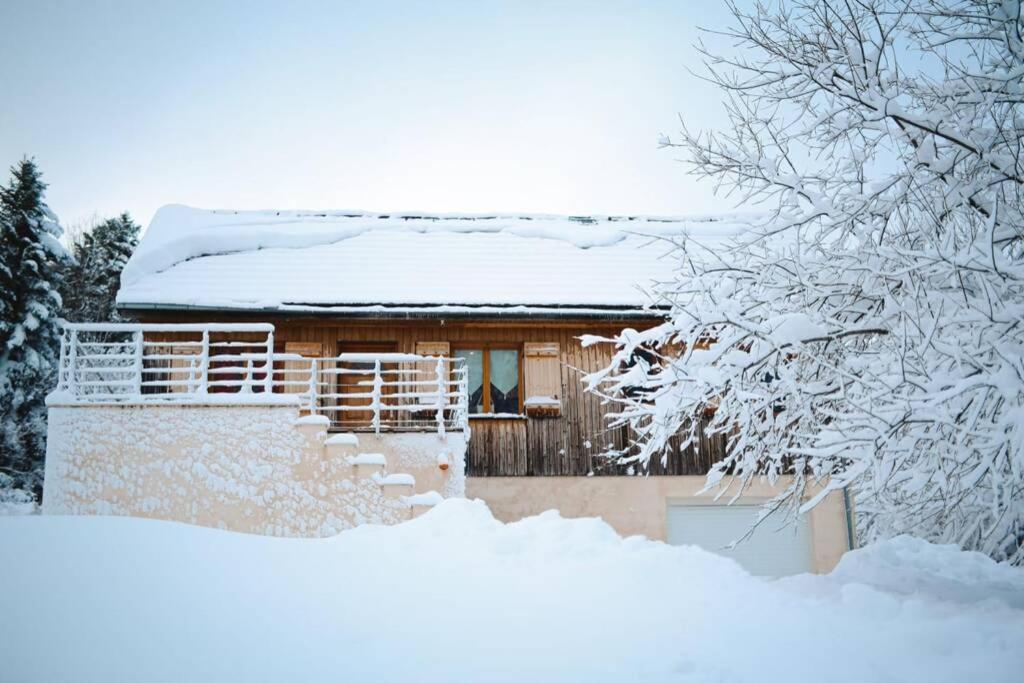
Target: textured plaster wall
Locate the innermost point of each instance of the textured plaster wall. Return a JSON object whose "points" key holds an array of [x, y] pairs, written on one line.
{"points": [[244, 468], [417, 453], [249, 468]]}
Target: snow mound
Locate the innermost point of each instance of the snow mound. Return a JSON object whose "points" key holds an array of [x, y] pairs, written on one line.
{"points": [[320, 420], [456, 595], [911, 566], [428, 498], [343, 440], [18, 507], [15, 501]]}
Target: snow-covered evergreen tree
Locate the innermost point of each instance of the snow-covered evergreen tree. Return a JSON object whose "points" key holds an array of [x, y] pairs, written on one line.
{"points": [[92, 279], [30, 259], [870, 331]]}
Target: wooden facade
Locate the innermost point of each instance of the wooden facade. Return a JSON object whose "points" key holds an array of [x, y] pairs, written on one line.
{"points": [[563, 439]]}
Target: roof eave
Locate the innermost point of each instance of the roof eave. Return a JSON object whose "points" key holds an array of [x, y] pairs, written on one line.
{"points": [[398, 312]]}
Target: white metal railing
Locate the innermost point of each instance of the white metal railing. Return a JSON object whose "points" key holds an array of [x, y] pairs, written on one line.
{"points": [[379, 391], [110, 363]]}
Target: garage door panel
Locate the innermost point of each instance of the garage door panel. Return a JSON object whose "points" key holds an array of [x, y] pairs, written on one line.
{"points": [[769, 551]]}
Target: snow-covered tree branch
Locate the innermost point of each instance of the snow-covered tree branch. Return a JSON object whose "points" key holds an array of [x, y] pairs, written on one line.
{"points": [[869, 332]]}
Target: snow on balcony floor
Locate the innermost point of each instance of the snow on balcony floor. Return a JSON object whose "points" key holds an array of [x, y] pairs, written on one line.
{"points": [[457, 596]]}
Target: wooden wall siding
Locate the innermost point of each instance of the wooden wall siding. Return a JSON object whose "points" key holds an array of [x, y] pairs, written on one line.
{"points": [[498, 448], [570, 444]]}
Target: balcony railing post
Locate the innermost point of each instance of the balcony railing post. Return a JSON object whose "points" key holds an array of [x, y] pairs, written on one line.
{"points": [[73, 364], [247, 381], [441, 394], [204, 364], [314, 381], [190, 383], [378, 385], [268, 381], [62, 377], [137, 363], [464, 398]]}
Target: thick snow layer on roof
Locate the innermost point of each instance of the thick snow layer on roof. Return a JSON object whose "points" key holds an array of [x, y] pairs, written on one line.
{"points": [[294, 259], [456, 595]]}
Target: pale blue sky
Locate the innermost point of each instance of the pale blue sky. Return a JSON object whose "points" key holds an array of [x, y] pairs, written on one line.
{"points": [[435, 106]]}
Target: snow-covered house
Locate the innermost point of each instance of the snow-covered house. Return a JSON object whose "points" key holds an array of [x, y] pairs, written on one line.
{"points": [[362, 312]]}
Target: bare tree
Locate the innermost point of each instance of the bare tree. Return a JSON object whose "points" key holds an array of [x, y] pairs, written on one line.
{"points": [[869, 332]]}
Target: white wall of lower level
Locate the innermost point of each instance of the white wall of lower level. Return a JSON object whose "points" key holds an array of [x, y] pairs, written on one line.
{"points": [[239, 467], [249, 468]]}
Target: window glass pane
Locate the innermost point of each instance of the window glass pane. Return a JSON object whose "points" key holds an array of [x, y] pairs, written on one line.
{"points": [[504, 381], [474, 360]]}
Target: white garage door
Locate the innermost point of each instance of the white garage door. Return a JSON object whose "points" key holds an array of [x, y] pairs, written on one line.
{"points": [[770, 551]]}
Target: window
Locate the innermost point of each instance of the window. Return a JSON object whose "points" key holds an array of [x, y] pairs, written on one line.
{"points": [[493, 379]]}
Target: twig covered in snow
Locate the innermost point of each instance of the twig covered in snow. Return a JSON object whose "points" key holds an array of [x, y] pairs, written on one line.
{"points": [[871, 331]]}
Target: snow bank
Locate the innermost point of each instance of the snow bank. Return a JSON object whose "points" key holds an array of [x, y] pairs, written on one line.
{"points": [[14, 501], [20, 506], [911, 566], [458, 596]]}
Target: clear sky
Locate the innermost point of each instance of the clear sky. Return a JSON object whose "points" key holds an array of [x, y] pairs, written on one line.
{"points": [[435, 106]]}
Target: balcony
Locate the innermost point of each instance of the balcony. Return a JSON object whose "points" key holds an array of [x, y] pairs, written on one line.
{"points": [[237, 363]]}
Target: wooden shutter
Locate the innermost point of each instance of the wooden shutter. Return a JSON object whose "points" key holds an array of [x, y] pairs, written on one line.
{"points": [[542, 375], [305, 349], [428, 369], [425, 348]]}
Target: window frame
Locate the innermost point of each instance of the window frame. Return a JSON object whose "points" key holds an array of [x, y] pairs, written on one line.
{"points": [[486, 348]]}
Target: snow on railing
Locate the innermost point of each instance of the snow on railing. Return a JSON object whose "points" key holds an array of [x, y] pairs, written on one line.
{"points": [[154, 363], [380, 391], [122, 361]]}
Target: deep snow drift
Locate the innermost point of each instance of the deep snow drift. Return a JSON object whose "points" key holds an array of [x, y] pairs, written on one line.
{"points": [[456, 595]]}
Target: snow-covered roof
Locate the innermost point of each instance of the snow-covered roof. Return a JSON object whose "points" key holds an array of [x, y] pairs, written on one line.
{"points": [[357, 262]]}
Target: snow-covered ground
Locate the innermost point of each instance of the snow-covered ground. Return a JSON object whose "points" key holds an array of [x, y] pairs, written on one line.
{"points": [[458, 596], [14, 501]]}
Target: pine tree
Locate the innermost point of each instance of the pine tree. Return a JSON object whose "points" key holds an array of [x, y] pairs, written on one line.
{"points": [[91, 281], [30, 259]]}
